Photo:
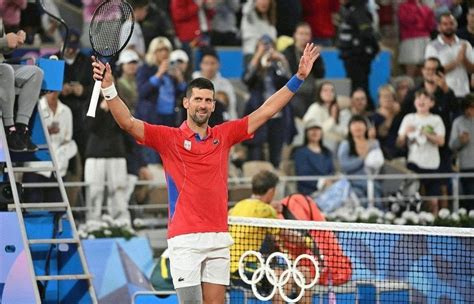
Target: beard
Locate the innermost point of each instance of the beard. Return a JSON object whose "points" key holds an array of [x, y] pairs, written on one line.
{"points": [[200, 120], [448, 33]]}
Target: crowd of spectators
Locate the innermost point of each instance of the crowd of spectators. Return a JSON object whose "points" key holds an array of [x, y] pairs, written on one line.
{"points": [[424, 115]]}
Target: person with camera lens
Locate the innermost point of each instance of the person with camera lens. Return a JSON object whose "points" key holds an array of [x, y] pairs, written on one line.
{"points": [[266, 73], [159, 85]]}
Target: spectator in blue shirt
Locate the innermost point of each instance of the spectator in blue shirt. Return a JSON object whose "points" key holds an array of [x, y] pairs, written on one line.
{"points": [[360, 155], [313, 158]]}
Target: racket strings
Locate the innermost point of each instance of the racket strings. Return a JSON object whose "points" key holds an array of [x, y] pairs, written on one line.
{"points": [[111, 27]]}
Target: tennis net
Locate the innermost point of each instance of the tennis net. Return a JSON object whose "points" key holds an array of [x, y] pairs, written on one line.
{"points": [[278, 261]]}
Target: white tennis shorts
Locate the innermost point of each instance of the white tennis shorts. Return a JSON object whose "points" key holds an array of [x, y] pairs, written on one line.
{"points": [[200, 257]]}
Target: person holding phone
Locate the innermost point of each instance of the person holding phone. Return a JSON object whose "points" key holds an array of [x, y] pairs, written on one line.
{"points": [[446, 106]]}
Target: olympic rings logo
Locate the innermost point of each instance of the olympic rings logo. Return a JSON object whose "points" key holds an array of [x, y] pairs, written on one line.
{"points": [[278, 282]]}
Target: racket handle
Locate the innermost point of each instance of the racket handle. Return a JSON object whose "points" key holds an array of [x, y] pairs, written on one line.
{"points": [[94, 99]]}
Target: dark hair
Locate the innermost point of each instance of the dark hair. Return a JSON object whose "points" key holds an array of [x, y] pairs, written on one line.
{"points": [[447, 14], [270, 16], [209, 51], [359, 89], [356, 118], [139, 3], [324, 150], [320, 88], [468, 101], [264, 181], [199, 83], [301, 24], [423, 91], [439, 67]]}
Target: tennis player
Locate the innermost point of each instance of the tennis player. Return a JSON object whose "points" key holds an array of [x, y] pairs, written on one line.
{"points": [[195, 159]]}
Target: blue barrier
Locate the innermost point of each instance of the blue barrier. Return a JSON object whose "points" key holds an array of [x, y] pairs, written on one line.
{"points": [[232, 67]]}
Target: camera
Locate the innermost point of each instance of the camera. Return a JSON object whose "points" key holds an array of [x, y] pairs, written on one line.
{"points": [[267, 41], [173, 64]]}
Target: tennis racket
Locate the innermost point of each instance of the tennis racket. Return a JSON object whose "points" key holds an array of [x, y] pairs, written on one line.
{"points": [[110, 30]]}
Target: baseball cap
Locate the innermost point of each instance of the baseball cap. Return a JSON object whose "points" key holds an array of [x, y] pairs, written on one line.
{"points": [[312, 123], [266, 39], [179, 55], [74, 39], [127, 56]]}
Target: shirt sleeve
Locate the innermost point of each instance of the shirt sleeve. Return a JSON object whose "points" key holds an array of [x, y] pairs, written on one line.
{"points": [[403, 126], [236, 130], [469, 52], [430, 51], [157, 137], [439, 128], [454, 142]]}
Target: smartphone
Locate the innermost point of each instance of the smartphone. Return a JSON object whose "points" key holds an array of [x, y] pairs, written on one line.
{"points": [[440, 70]]}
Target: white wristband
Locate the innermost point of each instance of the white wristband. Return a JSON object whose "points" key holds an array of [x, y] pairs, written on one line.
{"points": [[109, 92]]}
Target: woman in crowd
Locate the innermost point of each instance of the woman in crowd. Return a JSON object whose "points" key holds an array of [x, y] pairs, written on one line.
{"points": [[313, 159], [258, 18], [266, 73], [326, 111], [386, 131], [359, 155], [158, 85]]}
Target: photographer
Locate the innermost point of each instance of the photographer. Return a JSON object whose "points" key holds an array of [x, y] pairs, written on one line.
{"points": [[159, 85], [266, 73]]}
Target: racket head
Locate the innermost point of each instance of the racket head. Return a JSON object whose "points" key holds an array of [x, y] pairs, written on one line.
{"points": [[111, 27]]}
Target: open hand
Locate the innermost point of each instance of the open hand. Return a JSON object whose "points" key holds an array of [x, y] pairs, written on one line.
{"points": [[310, 54]]}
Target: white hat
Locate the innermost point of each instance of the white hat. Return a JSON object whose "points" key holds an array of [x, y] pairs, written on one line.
{"points": [[127, 56], [312, 123], [179, 55]]}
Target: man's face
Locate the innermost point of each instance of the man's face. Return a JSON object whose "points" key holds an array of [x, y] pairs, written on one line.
{"points": [[429, 70], [141, 13], [200, 105], [470, 17], [447, 26], [302, 36], [359, 101], [209, 66], [70, 53], [470, 111]]}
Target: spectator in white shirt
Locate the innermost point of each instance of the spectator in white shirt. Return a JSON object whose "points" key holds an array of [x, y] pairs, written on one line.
{"points": [[424, 133], [58, 120], [456, 55]]}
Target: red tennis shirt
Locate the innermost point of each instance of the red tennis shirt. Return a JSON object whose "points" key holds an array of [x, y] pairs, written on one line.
{"points": [[196, 173]]}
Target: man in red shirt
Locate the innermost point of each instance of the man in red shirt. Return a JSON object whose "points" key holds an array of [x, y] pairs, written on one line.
{"points": [[195, 159]]}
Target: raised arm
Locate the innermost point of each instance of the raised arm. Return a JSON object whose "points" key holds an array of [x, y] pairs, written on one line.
{"points": [[277, 101], [118, 108]]}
